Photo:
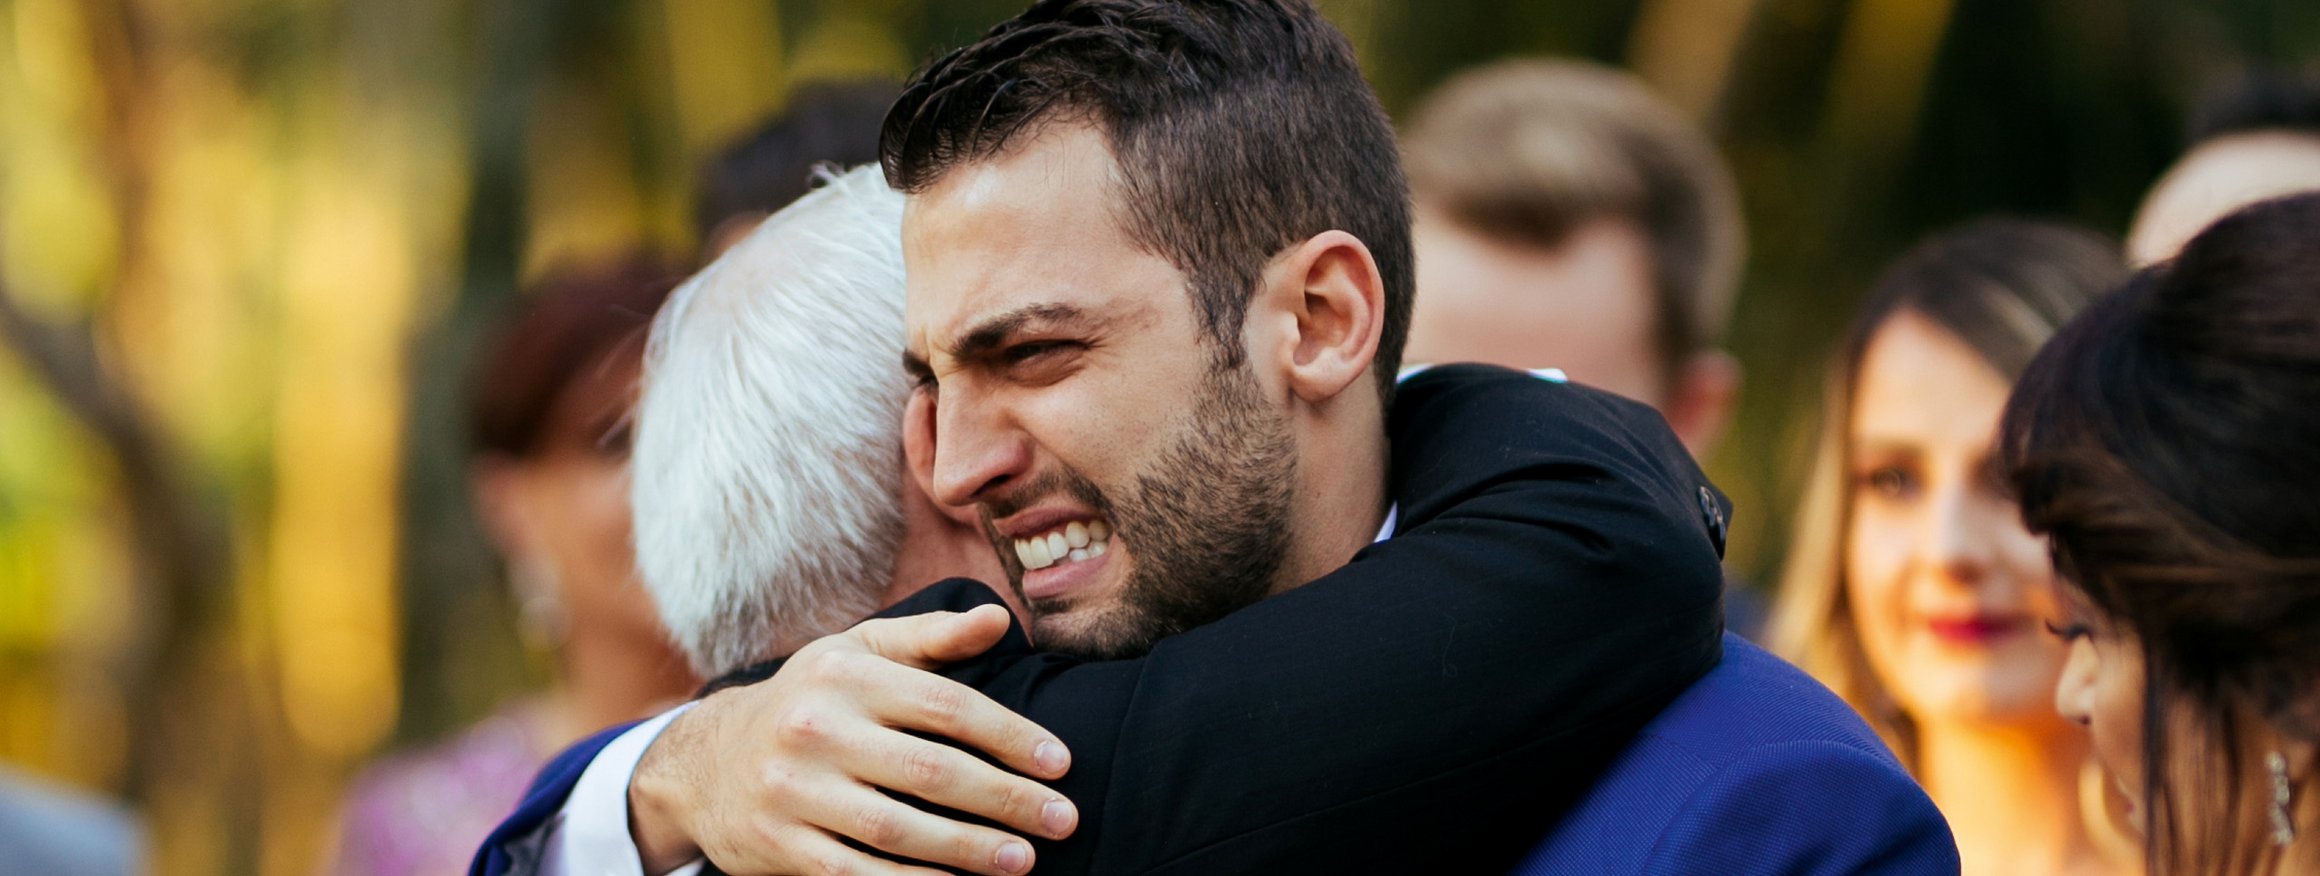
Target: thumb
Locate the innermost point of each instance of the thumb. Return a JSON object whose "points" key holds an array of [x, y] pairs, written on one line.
{"points": [[928, 640]]}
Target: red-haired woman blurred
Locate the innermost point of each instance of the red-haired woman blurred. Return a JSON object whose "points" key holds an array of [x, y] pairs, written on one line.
{"points": [[550, 411]]}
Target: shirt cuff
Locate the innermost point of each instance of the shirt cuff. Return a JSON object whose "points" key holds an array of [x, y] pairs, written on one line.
{"points": [[591, 831]]}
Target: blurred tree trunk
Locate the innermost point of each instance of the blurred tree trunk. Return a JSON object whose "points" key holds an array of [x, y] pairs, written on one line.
{"points": [[186, 691], [443, 559]]}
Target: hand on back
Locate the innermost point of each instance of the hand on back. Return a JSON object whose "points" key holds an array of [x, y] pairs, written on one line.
{"points": [[776, 777]]}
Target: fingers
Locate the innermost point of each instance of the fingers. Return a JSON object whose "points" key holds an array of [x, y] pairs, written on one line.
{"points": [[810, 852], [840, 716], [946, 776], [873, 819], [892, 696], [929, 640], [900, 696]]}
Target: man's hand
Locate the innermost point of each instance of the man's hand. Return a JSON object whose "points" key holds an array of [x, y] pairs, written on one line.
{"points": [[769, 778]]}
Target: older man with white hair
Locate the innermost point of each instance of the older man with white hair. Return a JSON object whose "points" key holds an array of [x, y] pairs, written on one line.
{"points": [[770, 503], [768, 491]]}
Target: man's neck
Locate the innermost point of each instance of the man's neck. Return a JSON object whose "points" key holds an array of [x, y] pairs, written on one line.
{"points": [[1340, 504]]}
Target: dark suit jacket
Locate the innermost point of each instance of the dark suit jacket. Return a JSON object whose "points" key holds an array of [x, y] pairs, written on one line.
{"points": [[1757, 769], [1433, 705]]}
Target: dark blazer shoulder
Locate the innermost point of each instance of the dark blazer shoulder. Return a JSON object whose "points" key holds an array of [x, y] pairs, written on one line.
{"points": [[1551, 584], [1553, 581], [1459, 429]]}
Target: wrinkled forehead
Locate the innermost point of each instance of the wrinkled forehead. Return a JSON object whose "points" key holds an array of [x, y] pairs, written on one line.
{"points": [[1037, 225]]}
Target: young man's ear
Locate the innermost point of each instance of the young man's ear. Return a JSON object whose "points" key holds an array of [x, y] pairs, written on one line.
{"points": [[1333, 302], [918, 424]]}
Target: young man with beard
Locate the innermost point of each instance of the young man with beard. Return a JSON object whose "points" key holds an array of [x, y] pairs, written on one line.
{"points": [[768, 458], [1158, 275]]}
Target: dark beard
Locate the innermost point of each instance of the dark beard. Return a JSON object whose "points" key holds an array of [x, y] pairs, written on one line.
{"points": [[1207, 523]]}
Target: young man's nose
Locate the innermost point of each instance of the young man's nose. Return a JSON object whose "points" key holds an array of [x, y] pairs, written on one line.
{"points": [[977, 450]]}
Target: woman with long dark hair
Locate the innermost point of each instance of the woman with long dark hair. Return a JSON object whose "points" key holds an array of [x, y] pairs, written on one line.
{"points": [[2168, 443]]}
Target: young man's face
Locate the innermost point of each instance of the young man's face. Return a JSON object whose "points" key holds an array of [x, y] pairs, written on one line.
{"points": [[1133, 486]]}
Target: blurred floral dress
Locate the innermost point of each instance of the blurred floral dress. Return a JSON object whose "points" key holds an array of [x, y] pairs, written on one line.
{"points": [[424, 812]]}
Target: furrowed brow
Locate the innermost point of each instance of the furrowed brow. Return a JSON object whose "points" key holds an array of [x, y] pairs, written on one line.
{"points": [[916, 368], [986, 337]]}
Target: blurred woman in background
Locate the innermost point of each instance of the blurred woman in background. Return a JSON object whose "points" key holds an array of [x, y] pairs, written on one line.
{"points": [[1912, 589], [2168, 442], [550, 411]]}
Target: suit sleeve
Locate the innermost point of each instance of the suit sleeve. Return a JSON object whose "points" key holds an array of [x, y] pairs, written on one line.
{"points": [[1552, 587], [1812, 807], [514, 846]]}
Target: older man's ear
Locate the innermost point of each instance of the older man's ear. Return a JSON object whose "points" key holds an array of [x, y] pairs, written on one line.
{"points": [[918, 454], [939, 541]]}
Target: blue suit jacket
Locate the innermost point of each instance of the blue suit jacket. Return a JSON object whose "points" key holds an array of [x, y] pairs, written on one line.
{"points": [[1756, 769]]}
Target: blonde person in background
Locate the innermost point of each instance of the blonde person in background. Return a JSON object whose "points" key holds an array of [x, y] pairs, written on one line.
{"points": [[550, 418], [1913, 589]]}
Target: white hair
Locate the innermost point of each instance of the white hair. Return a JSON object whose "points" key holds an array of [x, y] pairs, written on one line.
{"points": [[768, 462]]}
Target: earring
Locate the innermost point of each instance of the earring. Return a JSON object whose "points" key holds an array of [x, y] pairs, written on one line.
{"points": [[2283, 830], [540, 617]]}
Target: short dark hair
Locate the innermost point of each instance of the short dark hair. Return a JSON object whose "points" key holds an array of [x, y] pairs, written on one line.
{"points": [[1240, 127], [2164, 443], [2258, 100], [833, 123]]}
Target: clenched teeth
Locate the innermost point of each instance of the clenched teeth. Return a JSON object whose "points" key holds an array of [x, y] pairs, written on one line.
{"points": [[1071, 542]]}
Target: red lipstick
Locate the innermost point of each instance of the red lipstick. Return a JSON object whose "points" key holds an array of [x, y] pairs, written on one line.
{"points": [[1977, 630]]}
